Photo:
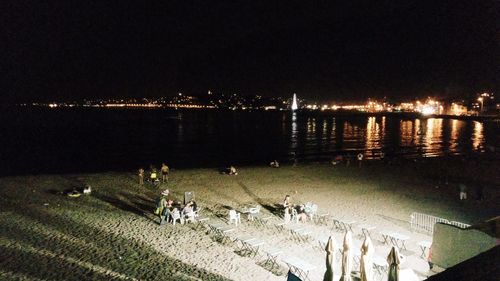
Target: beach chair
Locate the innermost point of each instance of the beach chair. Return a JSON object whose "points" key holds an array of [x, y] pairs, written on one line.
{"points": [[189, 217], [295, 216], [176, 216], [234, 217], [313, 211]]}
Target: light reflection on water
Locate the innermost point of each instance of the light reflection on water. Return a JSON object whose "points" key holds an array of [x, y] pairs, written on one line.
{"points": [[477, 136], [37, 140], [377, 135]]}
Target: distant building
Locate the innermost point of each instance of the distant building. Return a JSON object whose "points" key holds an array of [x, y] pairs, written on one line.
{"points": [[457, 108]]}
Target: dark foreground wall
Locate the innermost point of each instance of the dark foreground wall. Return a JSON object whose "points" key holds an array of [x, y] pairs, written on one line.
{"points": [[452, 245], [484, 267]]}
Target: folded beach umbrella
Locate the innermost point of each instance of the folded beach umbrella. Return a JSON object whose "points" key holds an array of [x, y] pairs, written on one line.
{"points": [[366, 263], [394, 261], [330, 258], [346, 257]]}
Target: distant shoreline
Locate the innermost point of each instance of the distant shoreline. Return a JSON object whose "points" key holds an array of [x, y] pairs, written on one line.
{"points": [[325, 112]]}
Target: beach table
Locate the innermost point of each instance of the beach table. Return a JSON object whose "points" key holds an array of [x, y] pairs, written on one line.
{"points": [[280, 226], [424, 245], [201, 221], [294, 228], [243, 239], [262, 219], [395, 239], [348, 225], [355, 252], [366, 230], [299, 267], [221, 231], [302, 234], [399, 240], [272, 256], [337, 225], [322, 241], [251, 212], [381, 267], [343, 225], [322, 218], [252, 246]]}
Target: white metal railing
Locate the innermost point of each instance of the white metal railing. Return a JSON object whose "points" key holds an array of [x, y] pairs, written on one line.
{"points": [[459, 224], [425, 223]]}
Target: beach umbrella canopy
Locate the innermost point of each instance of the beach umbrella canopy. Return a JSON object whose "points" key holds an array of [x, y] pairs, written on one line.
{"points": [[394, 261], [366, 263], [330, 257], [346, 257]]}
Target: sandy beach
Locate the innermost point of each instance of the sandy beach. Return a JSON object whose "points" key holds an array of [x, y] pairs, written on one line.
{"points": [[112, 234]]}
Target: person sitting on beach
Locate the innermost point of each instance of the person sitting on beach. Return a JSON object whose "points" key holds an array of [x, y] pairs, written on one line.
{"points": [[165, 170], [141, 176], [274, 164], [232, 171], [301, 214], [188, 212]]}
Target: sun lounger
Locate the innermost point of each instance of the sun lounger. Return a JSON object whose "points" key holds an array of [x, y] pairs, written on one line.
{"points": [[299, 267]]}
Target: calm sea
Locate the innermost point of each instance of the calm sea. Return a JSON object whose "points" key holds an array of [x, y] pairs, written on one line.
{"points": [[43, 140]]}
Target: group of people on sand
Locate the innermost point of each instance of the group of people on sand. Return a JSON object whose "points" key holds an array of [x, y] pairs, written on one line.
{"points": [[296, 212], [153, 175], [169, 211]]}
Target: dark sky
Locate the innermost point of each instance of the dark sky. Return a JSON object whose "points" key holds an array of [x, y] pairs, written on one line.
{"points": [[329, 50]]}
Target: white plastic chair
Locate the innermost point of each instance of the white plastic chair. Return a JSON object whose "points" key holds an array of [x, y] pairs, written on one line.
{"points": [[234, 216], [295, 216], [313, 211], [190, 217], [176, 215]]}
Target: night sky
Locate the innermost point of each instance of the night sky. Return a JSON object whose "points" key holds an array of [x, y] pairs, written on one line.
{"points": [[329, 50]]}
